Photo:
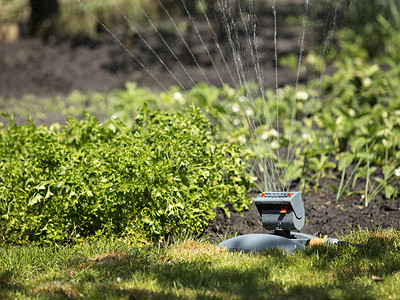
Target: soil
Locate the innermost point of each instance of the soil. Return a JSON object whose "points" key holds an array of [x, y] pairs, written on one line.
{"points": [[48, 69], [30, 66]]}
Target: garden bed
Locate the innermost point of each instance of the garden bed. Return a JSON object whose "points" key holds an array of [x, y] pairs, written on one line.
{"points": [[56, 69]]}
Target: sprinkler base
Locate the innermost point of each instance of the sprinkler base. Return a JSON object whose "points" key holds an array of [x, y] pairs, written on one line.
{"points": [[260, 242]]}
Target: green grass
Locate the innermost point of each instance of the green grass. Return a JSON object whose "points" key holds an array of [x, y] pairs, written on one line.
{"points": [[193, 269]]}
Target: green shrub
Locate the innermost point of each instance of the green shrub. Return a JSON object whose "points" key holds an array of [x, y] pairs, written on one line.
{"points": [[162, 176]]}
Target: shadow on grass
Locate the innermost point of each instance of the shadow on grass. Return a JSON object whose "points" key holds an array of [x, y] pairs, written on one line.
{"points": [[8, 287], [380, 257], [254, 282], [335, 291], [345, 273]]}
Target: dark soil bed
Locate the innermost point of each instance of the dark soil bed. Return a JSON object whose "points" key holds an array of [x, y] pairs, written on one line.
{"points": [[81, 63]]}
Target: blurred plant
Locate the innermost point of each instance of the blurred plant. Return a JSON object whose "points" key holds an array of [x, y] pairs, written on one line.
{"points": [[375, 21]]}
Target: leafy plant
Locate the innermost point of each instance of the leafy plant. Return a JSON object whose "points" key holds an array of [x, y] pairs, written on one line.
{"points": [[162, 176]]}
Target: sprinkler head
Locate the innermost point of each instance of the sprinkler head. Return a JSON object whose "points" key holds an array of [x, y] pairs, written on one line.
{"points": [[281, 211]]}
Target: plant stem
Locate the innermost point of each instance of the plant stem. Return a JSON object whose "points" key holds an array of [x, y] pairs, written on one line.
{"points": [[340, 192], [366, 183]]}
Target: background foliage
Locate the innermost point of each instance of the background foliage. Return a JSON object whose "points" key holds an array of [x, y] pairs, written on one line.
{"points": [[369, 19]]}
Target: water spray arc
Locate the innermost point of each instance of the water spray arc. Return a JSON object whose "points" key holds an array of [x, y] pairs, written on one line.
{"points": [[280, 210], [242, 47]]}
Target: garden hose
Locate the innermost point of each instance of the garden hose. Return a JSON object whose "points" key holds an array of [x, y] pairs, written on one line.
{"points": [[329, 241]]}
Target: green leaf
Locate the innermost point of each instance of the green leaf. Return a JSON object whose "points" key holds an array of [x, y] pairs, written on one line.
{"points": [[345, 161], [34, 200]]}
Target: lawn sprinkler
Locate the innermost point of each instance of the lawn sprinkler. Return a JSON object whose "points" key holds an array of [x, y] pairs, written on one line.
{"points": [[281, 212]]}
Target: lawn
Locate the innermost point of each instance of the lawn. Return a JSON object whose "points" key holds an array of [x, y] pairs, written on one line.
{"points": [[197, 269]]}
